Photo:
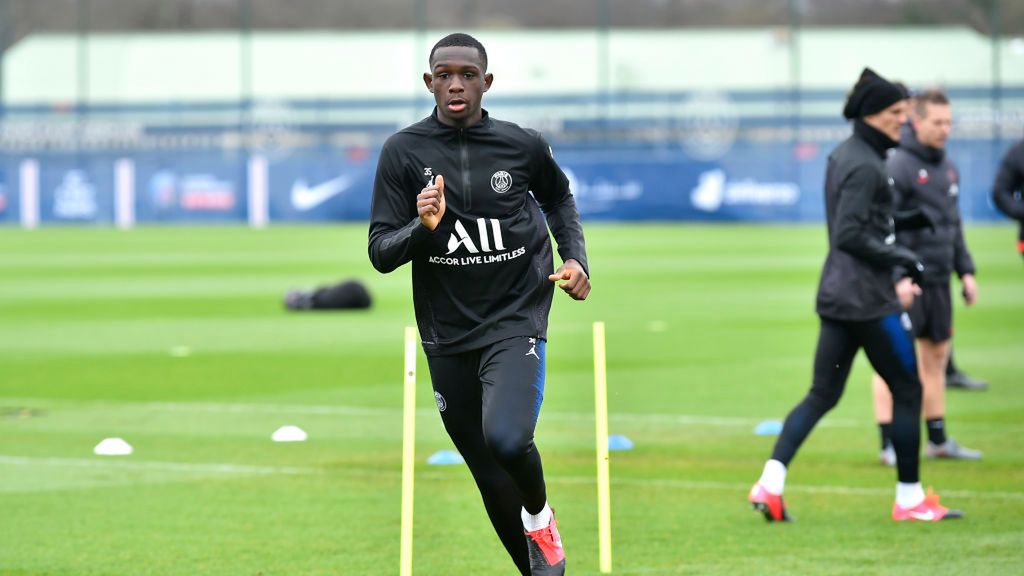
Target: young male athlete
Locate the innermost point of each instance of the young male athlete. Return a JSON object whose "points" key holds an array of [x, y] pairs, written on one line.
{"points": [[464, 197], [857, 302], [925, 178]]}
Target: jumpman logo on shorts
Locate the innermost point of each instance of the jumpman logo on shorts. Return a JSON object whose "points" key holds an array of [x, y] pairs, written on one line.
{"points": [[533, 349]]}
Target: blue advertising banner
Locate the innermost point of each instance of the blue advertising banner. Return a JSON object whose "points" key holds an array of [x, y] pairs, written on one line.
{"points": [[75, 190], [322, 185], [713, 157], [6, 202], [192, 187]]}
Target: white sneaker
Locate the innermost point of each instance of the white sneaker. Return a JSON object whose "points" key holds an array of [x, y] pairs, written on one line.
{"points": [[887, 456]]}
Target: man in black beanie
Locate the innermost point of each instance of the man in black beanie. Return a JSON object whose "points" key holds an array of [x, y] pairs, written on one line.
{"points": [[858, 305]]}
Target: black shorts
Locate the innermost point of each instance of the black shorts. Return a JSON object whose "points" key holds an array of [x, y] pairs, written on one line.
{"points": [[932, 313]]}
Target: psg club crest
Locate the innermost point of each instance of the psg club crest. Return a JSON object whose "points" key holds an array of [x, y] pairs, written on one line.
{"points": [[501, 181]]}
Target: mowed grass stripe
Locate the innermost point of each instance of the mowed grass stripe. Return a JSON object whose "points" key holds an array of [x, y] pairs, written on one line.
{"points": [[711, 329]]}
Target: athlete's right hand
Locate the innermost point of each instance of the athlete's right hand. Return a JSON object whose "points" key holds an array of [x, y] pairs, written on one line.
{"points": [[430, 203], [906, 291]]}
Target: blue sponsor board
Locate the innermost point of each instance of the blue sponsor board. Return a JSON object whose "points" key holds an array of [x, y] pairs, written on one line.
{"points": [[75, 189], [5, 194], [748, 180], [325, 184], [196, 187]]}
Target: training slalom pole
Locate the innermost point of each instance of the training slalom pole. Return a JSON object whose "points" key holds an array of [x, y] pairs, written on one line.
{"points": [[408, 450], [604, 504]]}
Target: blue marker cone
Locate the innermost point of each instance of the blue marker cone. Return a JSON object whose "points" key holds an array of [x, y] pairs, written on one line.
{"points": [[445, 458], [619, 442], [768, 428]]}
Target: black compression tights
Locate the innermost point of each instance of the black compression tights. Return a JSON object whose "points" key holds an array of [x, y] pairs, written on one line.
{"points": [[489, 401], [889, 346]]}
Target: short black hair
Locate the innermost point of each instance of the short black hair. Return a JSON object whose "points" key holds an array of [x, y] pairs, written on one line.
{"points": [[459, 39]]}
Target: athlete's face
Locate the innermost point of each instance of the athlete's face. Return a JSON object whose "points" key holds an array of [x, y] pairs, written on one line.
{"points": [[458, 81], [933, 126], [888, 121]]}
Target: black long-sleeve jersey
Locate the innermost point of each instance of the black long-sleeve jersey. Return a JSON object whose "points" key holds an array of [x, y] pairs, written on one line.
{"points": [[482, 275], [856, 281], [1009, 185], [925, 179]]}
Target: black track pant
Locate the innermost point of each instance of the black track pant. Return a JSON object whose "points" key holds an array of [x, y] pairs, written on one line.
{"points": [[889, 346], [489, 401]]}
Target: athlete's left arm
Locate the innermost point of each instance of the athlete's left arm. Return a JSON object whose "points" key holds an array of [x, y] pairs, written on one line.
{"points": [[963, 263], [551, 189]]}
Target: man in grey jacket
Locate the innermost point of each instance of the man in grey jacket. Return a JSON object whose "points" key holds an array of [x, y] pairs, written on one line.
{"points": [[924, 178]]}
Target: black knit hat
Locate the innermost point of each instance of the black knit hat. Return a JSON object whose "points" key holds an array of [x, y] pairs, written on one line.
{"points": [[871, 94]]}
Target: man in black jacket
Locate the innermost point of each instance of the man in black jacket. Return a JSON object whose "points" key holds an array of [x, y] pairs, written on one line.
{"points": [[1009, 187], [858, 304], [464, 197], [924, 178]]}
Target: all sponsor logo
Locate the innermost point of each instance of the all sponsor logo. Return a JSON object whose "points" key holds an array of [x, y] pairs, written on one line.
{"points": [[461, 237], [487, 247], [714, 190], [441, 403]]}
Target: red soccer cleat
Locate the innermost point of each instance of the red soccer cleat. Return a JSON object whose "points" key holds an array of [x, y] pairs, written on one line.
{"points": [[929, 510], [771, 505], [547, 557]]}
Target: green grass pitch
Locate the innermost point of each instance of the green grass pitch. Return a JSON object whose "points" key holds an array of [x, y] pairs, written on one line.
{"points": [[175, 339]]}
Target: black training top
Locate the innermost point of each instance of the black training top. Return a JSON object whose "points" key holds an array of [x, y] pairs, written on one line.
{"points": [[1009, 184], [856, 280], [925, 178], [482, 275]]}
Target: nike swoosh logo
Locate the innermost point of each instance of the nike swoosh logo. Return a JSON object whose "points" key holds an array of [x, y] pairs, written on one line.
{"points": [[926, 516], [305, 198]]}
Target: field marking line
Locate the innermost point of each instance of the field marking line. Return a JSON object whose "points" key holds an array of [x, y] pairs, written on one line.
{"points": [[343, 410], [211, 468], [255, 470]]}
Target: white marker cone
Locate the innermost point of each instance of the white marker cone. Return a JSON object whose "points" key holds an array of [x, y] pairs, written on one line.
{"points": [[113, 447], [289, 434]]}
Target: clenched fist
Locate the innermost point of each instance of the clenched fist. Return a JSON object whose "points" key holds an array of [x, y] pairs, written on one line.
{"points": [[430, 203]]}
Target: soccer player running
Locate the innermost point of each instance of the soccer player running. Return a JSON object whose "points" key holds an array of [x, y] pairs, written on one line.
{"points": [[453, 196], [857, 303], [1009, 187], [924, 178]]}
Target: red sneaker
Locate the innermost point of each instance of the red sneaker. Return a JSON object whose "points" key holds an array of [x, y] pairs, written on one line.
{"points": [[771, 505], [547, 557], [929, 510]]}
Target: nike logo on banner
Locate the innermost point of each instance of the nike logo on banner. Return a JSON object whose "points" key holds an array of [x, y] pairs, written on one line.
{"points": [[306, 198], [926, 516]]}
